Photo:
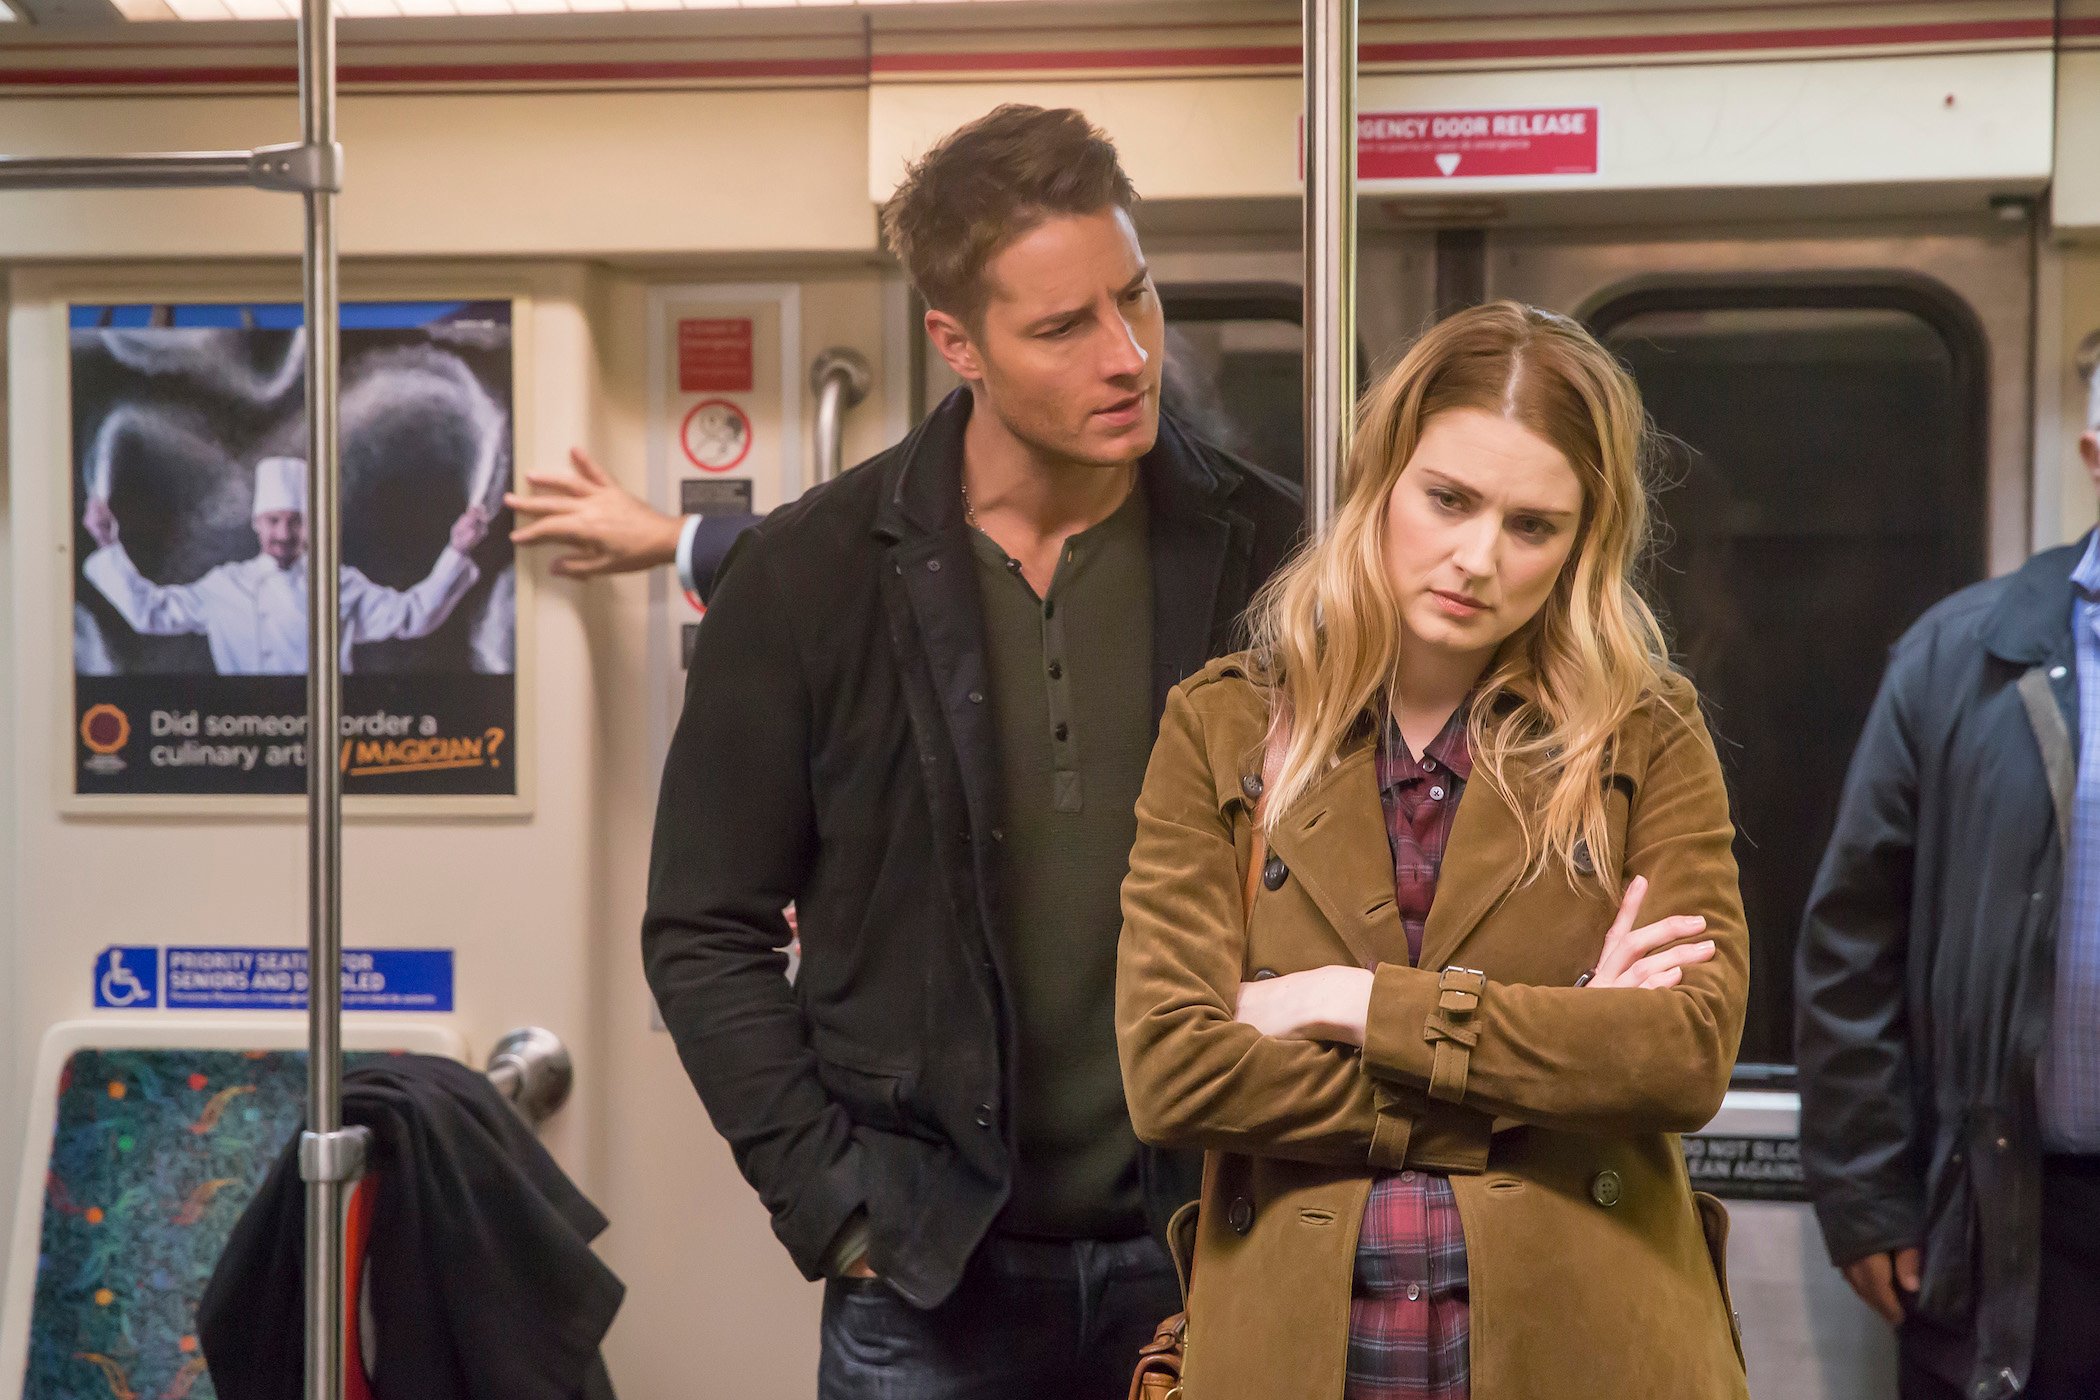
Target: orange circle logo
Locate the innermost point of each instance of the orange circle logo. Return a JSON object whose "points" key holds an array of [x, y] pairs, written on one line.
{"points": [[105, 729]]}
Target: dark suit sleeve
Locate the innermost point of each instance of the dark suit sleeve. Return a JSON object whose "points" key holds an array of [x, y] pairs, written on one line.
{"points": [[1858, 1128], [735, 833]]}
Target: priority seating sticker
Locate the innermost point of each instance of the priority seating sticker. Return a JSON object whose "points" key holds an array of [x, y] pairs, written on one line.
{"points": [[267, 979]]}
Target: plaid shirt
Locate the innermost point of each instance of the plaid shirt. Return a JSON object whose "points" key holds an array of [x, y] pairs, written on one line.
{"points": [[1409, 1319]]}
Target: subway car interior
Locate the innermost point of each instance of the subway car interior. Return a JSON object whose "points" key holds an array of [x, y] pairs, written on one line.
{"points": [[1849, 253]]}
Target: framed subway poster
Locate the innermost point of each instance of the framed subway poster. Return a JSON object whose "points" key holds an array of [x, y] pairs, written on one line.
{"points": [[189, 554]]}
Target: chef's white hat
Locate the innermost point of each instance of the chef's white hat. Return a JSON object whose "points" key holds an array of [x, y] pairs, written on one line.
{"points": [[280, 484]]}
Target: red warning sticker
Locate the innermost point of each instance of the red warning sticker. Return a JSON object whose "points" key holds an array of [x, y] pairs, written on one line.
{"points": [[1491, 142], [714, 355], [716, 435]]}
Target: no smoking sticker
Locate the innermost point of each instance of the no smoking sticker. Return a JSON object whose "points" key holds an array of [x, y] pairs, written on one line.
{"points": [[716, 435]]}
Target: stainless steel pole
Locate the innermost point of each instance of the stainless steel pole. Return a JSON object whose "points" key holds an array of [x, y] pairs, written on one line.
{"points": [[1330, 250], [178, 170], [330, 1158]]}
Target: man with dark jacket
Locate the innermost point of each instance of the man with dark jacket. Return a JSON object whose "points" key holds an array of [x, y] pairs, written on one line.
{"points": [[1949, 1035], [920, 710]]}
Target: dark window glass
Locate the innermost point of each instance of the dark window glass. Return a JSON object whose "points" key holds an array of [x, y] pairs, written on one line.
{"points": [[1822, 485], [1235, 370]]}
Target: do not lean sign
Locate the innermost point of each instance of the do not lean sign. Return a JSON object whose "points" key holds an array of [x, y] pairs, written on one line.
{"points": [[1489, 142]]}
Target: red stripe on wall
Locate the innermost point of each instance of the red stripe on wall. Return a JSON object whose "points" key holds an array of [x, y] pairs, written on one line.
{"points": [[1241, 56], [1473, 50], [1851, 37], [1220, 56], [276, 76]]}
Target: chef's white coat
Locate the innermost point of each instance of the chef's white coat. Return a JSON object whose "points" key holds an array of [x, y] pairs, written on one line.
{"points": [[253, 614]]}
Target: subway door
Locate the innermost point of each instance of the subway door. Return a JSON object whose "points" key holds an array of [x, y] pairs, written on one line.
{"points": [[710, 403], [1845, 444]]}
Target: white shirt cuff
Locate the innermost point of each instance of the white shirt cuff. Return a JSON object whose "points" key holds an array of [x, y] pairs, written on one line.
{"points": [[686, 532]]}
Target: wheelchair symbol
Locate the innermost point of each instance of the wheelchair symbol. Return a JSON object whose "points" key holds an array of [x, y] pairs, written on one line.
{"points": [[119, 986]]}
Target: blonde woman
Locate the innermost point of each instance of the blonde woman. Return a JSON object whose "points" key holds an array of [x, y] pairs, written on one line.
{"points": [[1493, 959]]}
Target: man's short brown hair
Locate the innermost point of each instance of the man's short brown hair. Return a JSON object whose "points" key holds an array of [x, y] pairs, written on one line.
{"points": [[986, 184]]}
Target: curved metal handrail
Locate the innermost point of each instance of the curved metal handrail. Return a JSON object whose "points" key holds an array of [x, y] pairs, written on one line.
{"points": [[840, 379]]}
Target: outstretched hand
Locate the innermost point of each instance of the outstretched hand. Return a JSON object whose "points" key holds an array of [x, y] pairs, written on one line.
{"points": [[610, 530]]}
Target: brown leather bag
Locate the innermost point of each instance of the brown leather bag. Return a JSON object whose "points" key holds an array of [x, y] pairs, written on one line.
{"points": [[1158, 1374]]}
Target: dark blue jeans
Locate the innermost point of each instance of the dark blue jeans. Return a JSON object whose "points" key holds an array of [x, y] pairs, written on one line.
{"points": [[1062, 1321]]}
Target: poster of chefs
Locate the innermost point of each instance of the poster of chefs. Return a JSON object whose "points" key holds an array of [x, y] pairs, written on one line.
{"points": [[191, 550]]}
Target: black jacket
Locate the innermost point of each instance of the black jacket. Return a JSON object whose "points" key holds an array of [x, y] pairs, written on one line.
{"points": [[483, 1284], [837, 751], [1927, 961]]}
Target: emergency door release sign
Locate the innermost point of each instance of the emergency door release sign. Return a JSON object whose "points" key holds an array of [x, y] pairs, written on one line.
{"points": [[1490, 142]]}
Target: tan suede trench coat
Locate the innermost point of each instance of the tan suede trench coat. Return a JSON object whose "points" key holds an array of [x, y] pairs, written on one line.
{"points": [[1595, 1274]]}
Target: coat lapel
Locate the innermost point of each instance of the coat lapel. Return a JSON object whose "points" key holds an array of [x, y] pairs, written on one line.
{"points": [[1482, 864], [1333, 841], [929, 551]]}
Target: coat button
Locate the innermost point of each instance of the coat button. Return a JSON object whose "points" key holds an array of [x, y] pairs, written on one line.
{"points": [[1241, 1216], [976, 697], [1584, 865], [984, 1115], [1263, 974], [1604, 1188], [1274, 872], [1251, 785]]}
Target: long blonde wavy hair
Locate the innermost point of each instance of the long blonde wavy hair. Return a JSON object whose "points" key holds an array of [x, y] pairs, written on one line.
{"points": [[1326, 629]]}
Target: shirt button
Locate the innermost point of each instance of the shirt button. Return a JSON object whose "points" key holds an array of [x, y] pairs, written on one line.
{"points": [[1437, 793], [1414, 1291], [933, 566], [1063, 732], [1407, 1177], [2056, 673], [1241, 1216], [984, 1115], [1057, 671], [976, 697]]}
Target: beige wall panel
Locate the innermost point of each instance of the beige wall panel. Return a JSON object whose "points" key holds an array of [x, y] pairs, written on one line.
{"points": [[1843, 121], [485, 175], [2075, 201], [515, 897], [1180, 138]]}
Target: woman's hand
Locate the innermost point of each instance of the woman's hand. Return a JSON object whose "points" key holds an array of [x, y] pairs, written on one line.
{"points": [[1325, 1003], [1652, 956]]}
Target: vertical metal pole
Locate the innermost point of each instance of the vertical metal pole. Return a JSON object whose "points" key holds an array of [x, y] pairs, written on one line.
{"points": [[326, 1164], [1330, 250]]}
